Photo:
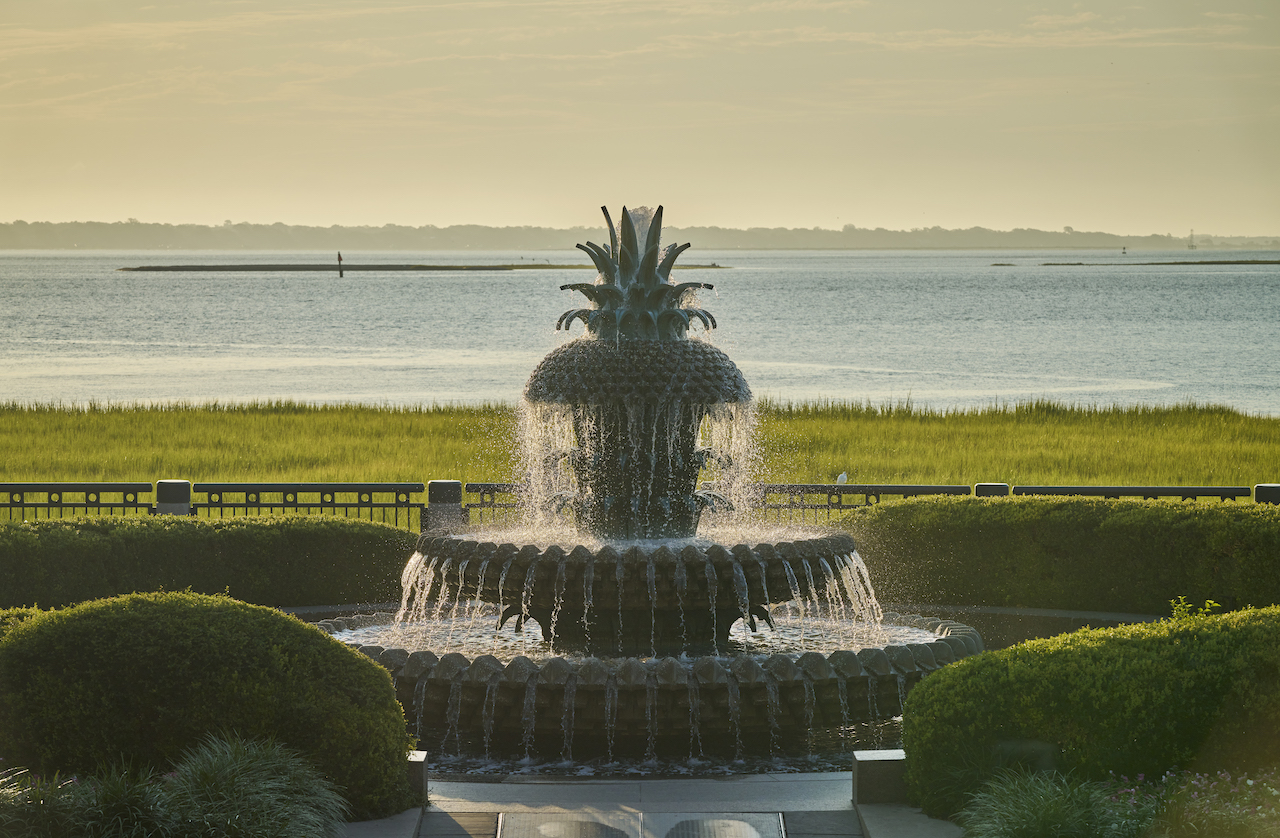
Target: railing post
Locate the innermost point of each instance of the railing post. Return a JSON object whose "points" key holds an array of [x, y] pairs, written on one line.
{"points": [[444, 506], [173, 497], [1266, 493]]}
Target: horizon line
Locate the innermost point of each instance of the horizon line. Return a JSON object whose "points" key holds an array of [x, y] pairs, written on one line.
{"points": [[847, 228]]}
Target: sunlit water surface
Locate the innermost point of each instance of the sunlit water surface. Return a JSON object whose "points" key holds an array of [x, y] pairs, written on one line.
{"points": [[940, 328]]}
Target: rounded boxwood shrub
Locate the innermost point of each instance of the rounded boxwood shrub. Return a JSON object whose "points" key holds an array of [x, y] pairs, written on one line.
{"points": [[1198, 692], [144, 677]]}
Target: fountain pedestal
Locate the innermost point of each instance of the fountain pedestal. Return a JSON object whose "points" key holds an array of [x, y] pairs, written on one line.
{"points": [[629, 417]]}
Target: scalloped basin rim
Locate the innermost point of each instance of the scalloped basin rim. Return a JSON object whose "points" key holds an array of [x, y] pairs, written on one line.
{"points": [[641, 550]]}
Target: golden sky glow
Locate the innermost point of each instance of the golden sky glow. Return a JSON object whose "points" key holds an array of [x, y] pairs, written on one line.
{"points": [[1131, 119]]}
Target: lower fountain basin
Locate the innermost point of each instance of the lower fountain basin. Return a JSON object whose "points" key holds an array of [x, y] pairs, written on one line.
{"points": [[666, 707]]}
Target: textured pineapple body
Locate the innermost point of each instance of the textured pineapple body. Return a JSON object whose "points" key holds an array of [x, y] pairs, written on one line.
{"points": [[637, 406], [611, 372]]}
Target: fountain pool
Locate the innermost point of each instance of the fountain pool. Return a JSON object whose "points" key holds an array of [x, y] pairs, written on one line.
{"points": [[615, 626]]}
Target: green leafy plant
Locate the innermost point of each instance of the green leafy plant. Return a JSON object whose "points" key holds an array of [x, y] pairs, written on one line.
{"points": [[1221, 803], [10, 617], [1183, 610]]}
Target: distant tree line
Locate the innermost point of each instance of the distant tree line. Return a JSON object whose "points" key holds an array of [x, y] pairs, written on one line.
{"points": [[137, 235]]}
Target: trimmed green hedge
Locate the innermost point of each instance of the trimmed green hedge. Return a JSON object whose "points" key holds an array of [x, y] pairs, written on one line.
{"points": [[279, 561], [1088, 554], [143, 678], [1199, 692]]}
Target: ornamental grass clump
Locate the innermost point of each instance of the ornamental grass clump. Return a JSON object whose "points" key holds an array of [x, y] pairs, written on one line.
{"points": [[222, 788], [34, 807], [1019, 804], [118, 803], [237, 787]]}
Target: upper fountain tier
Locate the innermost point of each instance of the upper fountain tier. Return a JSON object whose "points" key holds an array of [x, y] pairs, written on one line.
{"points": [[637, 389]]}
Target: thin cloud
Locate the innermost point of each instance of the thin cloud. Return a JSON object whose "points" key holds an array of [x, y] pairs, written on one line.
{"points": [[28, 41], [1059, 21], [1236, 16]]}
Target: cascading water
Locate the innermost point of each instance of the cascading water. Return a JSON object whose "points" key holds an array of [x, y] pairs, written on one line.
{"points": [[629, 631]]}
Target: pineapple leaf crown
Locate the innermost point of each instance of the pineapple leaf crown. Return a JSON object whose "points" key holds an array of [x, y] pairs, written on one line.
{"points": [[633, 296]]}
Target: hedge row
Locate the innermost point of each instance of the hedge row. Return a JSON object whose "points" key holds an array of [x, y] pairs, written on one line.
{"points": [[138, 680], [279, 561], [1088, 554], [1200, 692]]}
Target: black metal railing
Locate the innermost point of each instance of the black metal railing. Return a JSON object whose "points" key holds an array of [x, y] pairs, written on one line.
{"points": [[395, 503], [1147, 492], [386, 502], [798, 501], [24, 501], [792, 502]]}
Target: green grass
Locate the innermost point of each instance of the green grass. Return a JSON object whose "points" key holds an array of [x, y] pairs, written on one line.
{"points": [[266, 441], [1031, 443]]}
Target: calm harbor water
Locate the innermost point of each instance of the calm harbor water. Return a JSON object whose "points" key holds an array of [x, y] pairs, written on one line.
{"points": [[941, 328]]}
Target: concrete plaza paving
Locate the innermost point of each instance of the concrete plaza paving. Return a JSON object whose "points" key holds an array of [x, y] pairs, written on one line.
{"points": [[811, 805]]}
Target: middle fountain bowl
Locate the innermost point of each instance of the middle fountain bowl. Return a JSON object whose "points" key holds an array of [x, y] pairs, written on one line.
{"points": [[616, 423]]}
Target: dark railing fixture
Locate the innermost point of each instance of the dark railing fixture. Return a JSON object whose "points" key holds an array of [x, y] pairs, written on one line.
{"points": [[1148, 492], [374, 501], [50, 500], [790, 500], [797, 499], [489, 502]]}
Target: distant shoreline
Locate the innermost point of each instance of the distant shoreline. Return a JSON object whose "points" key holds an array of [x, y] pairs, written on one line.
{"points": [[1184, 262], [345, 267], [136, 235], [331, 268]]}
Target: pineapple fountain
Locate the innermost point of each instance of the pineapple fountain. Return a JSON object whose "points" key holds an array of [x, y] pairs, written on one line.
{"points": [[652, 641]]}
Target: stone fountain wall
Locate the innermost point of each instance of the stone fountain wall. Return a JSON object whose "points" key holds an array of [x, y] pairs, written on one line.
{"points": [[669, 600], [583, 708]]}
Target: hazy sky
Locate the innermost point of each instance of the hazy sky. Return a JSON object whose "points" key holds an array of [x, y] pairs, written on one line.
{"points": [[1142, 118]]}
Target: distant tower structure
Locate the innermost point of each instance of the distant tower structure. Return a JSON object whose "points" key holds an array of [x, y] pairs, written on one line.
{"points": [[1191, 242]]}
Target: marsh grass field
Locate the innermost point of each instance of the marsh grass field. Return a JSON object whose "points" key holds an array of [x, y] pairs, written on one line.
{"points": [[1039, 442]]}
